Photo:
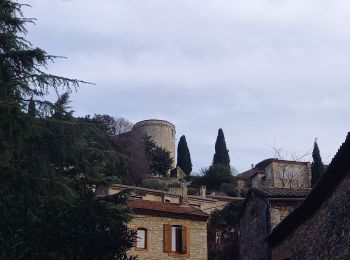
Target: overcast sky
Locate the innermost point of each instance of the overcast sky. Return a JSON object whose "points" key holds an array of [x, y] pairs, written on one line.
{"points": [[269, 72]]}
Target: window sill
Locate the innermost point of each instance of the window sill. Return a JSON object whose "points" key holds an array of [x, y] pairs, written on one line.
{"points": [[175, 254], [140, 249]]}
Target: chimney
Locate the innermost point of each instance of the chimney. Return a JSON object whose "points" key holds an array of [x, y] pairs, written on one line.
{"points": [[181, 191], [252, 166], [203, 191]]}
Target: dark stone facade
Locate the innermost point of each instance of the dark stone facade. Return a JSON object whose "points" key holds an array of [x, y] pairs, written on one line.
{"points": [[325, 235], [253, 229], [264, 208]]}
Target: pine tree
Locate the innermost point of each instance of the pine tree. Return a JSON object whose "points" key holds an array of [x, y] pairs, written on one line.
{"points": [[221, 155], [317, 166], [48, 165], [183, 156]]}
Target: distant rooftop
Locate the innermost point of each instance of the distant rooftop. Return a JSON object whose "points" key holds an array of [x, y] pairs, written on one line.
{"points": [[268, 192], [166, 209]]}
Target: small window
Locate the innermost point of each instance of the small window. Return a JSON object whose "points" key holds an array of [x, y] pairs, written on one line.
{"points": [[177, 239], [269, 174], [141, 238], [252, 215]]}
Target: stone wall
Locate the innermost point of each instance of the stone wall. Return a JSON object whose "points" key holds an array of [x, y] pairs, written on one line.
{"points": [[155, 237], [326, 235], [259, 218], [161, 132], [253, 230], [280, 210], [287, 180]]}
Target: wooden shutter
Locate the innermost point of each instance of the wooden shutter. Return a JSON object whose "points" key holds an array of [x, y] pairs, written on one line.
{"points": [[167, 238], [185, 240]]}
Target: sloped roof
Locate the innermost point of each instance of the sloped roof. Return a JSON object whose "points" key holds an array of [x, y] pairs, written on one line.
{"points": [[166, 209], [267, 192], [337, 170], [248, 174], [260, 167]]}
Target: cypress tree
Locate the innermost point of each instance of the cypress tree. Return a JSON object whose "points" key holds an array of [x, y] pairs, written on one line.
{"points": [[317, 166], [183, 156], [31, 108], [221, 155]]}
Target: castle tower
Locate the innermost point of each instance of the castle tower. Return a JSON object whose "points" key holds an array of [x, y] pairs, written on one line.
{"points": [[161, 132]]}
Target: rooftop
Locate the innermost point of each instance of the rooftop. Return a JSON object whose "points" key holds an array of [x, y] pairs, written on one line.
{"points": [[337, 170], [281, 192], [247, 174], [166, 209]]}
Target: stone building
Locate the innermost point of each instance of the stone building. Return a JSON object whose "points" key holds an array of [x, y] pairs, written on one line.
{"points": [[320, 227], [168, 231], [161, 132], [206, 203], [276, 173], [264, 208]]}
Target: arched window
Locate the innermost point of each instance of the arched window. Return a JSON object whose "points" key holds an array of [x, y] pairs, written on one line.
{"points": [[252, 215], [141, 238]]}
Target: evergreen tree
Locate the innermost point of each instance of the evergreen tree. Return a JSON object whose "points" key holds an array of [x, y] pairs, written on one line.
{"points": [[50, 165], [221, 155], [317, 166], [31, 108], [159, 158], [183, 156]]}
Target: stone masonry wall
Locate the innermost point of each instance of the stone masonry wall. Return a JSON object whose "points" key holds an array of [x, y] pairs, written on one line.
{"points": [[162, 133], [280, 210], [326, 235], [155, 233], [253, 231]]}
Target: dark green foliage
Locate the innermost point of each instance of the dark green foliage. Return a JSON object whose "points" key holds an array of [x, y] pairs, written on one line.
{"points": [[317, 167], [154, 184], [229, 189], [222, 232], [183, 156], [61, 109], [221, 155], [213, 177], [160, 160], [50, 163], [31, 108]]}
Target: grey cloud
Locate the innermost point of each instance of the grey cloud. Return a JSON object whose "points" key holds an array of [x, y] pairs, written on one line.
{"points": [[264, 70]]}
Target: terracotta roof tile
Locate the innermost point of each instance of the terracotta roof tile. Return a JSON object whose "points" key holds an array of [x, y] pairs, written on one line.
{"points": [[281, 192], [166, 209]]}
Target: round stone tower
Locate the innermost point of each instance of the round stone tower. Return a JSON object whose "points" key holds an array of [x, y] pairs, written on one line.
{"points": [[161, 132]]}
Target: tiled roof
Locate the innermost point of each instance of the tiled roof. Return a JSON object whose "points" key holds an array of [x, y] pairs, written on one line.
{"points": [[166, 209], [260, 167], [198, 197], [247, 174], [280, 192], [337, 170], [224, 198], [141, 190], [263, 164]]}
